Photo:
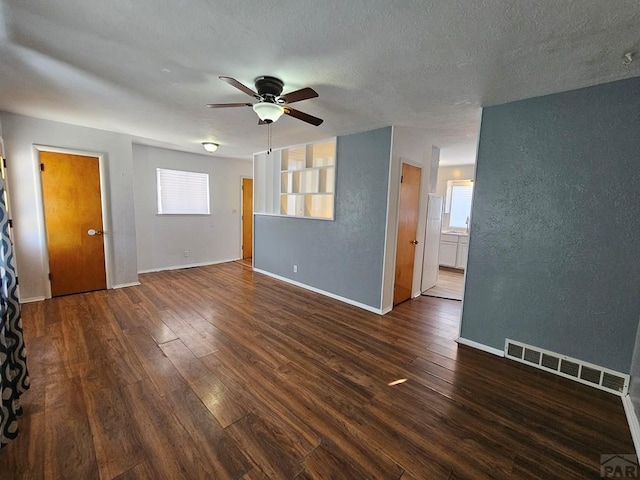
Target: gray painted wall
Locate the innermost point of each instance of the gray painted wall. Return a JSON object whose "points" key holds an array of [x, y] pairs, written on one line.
{"points": [[162, 239], [554, 249], [634, 385], [20, 135], [344, 256]]}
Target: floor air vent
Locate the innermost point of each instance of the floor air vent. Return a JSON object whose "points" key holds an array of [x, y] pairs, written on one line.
{"points": [[583, 372]]}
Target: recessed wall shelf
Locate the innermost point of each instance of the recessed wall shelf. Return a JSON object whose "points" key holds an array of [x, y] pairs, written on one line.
{"points": [[306, 177]]}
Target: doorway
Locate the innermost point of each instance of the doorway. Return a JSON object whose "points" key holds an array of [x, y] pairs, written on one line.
{"points": [[247, 219], [407, 232], [454, 239], [73, 218]]}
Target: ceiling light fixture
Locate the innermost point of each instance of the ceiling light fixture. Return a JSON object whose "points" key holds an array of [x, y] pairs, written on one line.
{"points": [[210, 146], [268, 112]]}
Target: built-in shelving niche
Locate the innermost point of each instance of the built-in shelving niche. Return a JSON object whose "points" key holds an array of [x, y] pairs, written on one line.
{"points": [[303, 177]]}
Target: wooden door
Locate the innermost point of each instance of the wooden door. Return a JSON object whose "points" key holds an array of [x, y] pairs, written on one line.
{"points": [[407, 230], [73, 221], [247, 217]]}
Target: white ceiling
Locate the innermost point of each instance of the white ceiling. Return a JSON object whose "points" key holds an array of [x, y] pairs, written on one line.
{"points": [[148, 67]]}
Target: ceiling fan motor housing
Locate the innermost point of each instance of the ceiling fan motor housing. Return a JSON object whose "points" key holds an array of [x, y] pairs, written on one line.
{"points": [[269, 87]]}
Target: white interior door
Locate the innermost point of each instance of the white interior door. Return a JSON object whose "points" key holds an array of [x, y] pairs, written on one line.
{"points": [[432, 242]]}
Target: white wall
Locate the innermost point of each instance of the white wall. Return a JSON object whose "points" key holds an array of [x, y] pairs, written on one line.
{"points": [[461, 172], [412, 146], [21, 134], [162, 239]]}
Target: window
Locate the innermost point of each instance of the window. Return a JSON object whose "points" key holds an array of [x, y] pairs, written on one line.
{"points": [[182, 193], [459, 196]]}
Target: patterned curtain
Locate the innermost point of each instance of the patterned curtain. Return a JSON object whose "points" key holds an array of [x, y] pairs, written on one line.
{"points": [[14, 378]]}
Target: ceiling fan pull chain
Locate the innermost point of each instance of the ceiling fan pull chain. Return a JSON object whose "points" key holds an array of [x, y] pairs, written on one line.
{"points": [[269, 134]]}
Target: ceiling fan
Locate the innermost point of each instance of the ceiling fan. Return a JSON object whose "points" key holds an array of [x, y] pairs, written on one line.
{"points": [[271, 104]]}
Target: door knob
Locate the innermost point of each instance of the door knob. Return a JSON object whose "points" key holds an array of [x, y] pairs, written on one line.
{"points": [[93, 231], [414, 242]]}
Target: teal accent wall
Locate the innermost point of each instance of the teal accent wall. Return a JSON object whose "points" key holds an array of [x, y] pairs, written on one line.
{"points": [[344, 256], [554, 254]]}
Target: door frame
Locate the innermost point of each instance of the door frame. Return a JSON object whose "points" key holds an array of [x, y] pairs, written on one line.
{"points": [[104, 201], [419, 232], [253, 200], [430, 195]]}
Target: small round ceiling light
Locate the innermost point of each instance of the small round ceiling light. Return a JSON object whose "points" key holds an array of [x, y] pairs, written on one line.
{"points": [[210, 146]]}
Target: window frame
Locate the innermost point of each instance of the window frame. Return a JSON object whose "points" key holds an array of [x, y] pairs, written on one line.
{"points": [[205, 179], [451, 184]]}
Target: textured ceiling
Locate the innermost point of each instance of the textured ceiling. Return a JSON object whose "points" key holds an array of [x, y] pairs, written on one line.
{"points": [[148, 67]]}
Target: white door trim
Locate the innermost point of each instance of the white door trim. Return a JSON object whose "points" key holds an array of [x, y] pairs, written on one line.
{"points": [[104, 200]]}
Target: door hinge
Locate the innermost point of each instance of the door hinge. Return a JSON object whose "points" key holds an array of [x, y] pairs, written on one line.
{"points": [[42, 167], [401, 178], [10, 221], [4, 162], [50, 277]]}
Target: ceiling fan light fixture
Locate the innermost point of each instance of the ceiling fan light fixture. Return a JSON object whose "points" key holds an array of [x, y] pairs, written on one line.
{"points": [[268, 112], [210, 146]]}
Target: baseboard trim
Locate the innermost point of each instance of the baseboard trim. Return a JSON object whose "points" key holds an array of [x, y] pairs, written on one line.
{"points": [[125, 285], [632, 420], [321, 292], [480, 346], [190, 265], [32, 299]]}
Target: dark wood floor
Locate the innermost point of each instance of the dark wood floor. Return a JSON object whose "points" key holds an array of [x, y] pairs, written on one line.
{"points": [[219, 372]]}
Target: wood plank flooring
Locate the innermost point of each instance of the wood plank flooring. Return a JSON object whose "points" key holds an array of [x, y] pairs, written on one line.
{"points": [[450, 284], [246, 261], [221, 373]]}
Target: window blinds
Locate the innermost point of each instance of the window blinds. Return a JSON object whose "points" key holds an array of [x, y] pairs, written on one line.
{"points": [[461, 196], [182, 193]]}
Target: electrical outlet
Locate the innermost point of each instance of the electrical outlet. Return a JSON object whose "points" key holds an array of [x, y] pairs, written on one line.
{"points": [[186, 253], [295, 269]]}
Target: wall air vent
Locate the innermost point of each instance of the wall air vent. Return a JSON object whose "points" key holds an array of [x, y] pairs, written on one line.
{"points": [[614, 382], [583, 372], [569, 368], [531, 356], [515, 350], [551, 362]]}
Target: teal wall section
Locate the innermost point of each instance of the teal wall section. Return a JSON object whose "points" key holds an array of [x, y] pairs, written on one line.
{"points": [[345, 256], [554, 255]]}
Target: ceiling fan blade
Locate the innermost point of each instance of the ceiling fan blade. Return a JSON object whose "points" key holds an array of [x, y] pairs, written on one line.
{"points": [[305, 117], [235, 83], [302, 94], [224, 105]]}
